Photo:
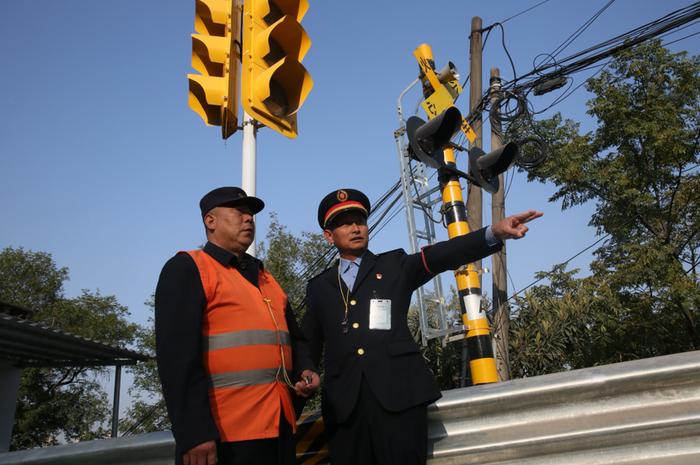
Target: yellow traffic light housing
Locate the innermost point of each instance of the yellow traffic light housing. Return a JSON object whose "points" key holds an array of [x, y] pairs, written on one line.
{"points": [[274, 82], [441, 88], [213, 92]]}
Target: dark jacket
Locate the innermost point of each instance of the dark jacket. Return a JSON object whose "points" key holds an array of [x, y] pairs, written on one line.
{"points": [[389, 360]]}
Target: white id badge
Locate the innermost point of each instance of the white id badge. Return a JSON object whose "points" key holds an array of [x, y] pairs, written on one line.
{"points": [[380, 314]]}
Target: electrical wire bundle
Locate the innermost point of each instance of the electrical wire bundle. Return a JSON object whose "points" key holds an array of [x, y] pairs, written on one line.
{"points": [[584, 59], [512, 106]]}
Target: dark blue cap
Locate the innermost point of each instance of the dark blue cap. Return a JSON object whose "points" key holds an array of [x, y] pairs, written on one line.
{"points": [[229, 197]]}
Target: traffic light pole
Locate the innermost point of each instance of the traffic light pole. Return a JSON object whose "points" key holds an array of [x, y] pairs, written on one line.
{"points": [[248, 163], [501, 318], [477, 342]]}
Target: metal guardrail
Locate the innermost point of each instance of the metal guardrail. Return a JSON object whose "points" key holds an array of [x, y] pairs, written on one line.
{"points": [[645, 412], [145, 449]]}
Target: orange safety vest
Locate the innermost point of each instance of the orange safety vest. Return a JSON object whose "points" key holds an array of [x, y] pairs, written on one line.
{"points": [[246, 348]]}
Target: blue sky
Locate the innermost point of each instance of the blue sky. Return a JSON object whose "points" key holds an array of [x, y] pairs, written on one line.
{"points": [[103, 163]]}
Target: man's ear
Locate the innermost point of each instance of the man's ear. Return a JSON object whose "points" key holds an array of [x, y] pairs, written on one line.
{"points": [[329, 236], [210, 221]]}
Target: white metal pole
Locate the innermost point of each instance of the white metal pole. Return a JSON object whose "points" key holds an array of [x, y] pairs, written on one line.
{"points": [[248, 168]]}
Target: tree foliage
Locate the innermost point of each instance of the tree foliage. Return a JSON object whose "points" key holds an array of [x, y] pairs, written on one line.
{"points": [[640, 168], [445, 359], [30, 279], [60, 404], [147, 412], [291, 259]]}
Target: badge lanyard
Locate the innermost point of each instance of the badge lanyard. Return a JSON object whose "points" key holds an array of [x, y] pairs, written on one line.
{"points": [[346, 299]]}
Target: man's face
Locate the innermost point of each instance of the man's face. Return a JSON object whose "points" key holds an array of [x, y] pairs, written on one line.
{"points": [[348, 232], [231, 228]]}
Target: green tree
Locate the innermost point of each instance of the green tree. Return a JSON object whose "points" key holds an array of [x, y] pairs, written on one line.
{"points": [[147, 412], [60, 404], [640, 168], [443, 358], [30, 279], [293, 260], [567, 324]]}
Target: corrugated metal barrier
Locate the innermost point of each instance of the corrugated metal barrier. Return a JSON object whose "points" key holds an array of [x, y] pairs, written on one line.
{"points": [[641, 412], [634, 413]]}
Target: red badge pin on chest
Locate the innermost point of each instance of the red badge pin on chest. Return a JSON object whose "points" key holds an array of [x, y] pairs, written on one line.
{"points": [[379, 276]]}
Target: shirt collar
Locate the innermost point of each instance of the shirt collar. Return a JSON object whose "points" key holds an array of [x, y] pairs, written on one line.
{"points": [[226, 258], [346, 264]]}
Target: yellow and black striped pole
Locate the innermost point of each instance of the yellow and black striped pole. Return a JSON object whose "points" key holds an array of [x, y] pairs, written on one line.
{"points": [[439, 93], [482, 363]]}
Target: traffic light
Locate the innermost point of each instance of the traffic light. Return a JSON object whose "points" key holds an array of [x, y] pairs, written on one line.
{"points": [[426, 141], [213, 93], [484, 168], [440, 88], [274, 82]]}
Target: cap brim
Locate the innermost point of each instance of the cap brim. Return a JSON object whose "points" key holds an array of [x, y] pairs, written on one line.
{"points": [[255, 204], [336, 214]]}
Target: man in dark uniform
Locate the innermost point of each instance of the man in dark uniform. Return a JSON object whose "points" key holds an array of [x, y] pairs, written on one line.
{"points": [[220, 349], [377, 385]]}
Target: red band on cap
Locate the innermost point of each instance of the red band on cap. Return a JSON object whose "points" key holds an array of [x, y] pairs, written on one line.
{"points": [[342, 206]]}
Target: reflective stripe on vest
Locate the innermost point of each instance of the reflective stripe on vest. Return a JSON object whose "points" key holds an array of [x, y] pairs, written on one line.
{"points": [[247, 338], [246, 378]]}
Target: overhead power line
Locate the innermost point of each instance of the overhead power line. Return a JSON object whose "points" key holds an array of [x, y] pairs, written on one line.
{"points": [[546, 275], [523, 12], [591, 55], [569, 40]]}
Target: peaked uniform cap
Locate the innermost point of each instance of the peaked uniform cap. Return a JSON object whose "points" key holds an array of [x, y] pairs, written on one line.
{"points": [[340, 201]]}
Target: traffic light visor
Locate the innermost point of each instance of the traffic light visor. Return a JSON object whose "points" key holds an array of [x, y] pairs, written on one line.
{"points": [[427, 140], [485, 167]]}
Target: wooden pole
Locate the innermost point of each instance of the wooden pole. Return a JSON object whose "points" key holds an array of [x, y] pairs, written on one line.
{"points": [[499, 291]]}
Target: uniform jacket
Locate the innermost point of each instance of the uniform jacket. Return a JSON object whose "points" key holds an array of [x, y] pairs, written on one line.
{"points": [[389, 360]]}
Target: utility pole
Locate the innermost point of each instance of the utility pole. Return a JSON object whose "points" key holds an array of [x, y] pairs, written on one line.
{"points": [[501, 319], [474, 196]]}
